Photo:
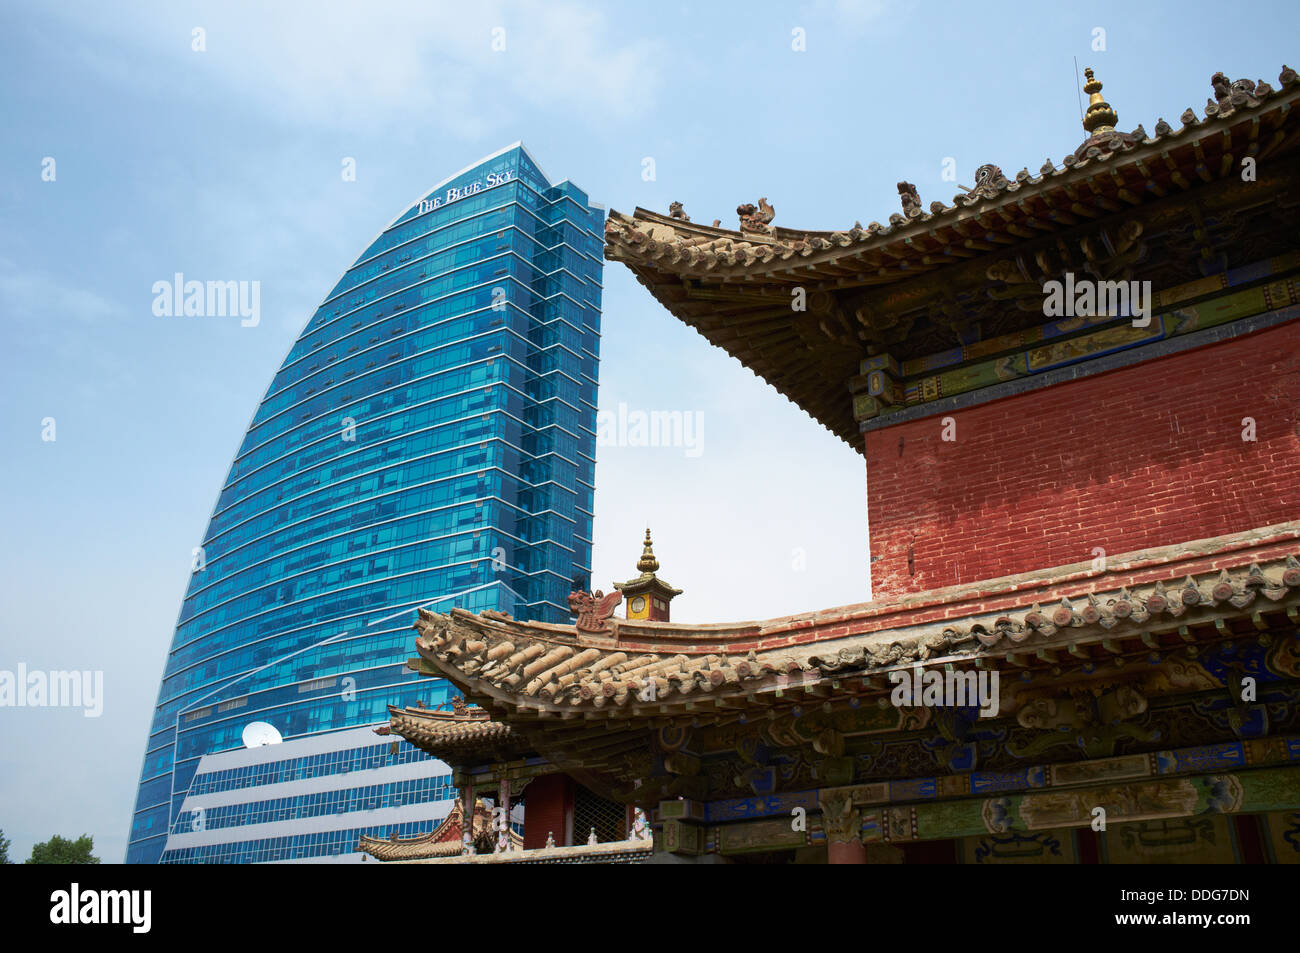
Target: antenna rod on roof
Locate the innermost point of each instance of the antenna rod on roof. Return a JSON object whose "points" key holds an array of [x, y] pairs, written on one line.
{"points": [[1078, 94]]}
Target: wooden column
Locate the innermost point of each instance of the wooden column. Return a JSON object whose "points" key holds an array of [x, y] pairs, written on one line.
{"points": [[843, 825], [846, 852], [467, 813], [503, 801]]}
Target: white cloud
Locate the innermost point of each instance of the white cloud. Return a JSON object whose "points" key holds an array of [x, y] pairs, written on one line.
{"points": [[569, 54], [346, 66], [25, 295]]}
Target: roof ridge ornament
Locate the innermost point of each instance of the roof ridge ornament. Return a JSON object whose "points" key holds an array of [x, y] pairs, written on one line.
{"points": [[1101, 116], [1099, 122], [593, 610], [910, 198], [757, 219], [648, 562]]}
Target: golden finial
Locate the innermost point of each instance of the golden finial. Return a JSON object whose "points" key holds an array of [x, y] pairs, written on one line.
{"points": [[647, 562], [1100, 117]]}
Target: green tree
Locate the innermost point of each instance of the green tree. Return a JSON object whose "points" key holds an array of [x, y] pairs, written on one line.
{"points": [[60, 850], [4, 849]]}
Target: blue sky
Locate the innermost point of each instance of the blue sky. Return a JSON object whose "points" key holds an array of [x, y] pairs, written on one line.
{"points": [[225, 164]]}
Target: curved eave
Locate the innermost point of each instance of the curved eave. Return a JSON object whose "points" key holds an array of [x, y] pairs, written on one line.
{"points": [[443, 841], [734, 286], [549, 674], [720, 253], [616, 852], [447, 737]]}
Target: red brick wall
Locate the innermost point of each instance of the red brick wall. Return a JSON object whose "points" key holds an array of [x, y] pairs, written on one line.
{"points": [[1147, 455], [548, 801]]}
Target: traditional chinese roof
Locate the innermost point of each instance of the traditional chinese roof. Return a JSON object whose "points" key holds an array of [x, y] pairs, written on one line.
{"points": [[535, 670], [584, 701], [443, 841], [736, 286], [448, 734], [630, 851]]}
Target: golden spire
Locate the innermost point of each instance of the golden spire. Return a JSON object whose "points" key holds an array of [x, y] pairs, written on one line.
{"points": [[647, 562], [1100, 117]]}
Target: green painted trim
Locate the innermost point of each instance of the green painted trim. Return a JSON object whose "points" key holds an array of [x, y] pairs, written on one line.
{"points": [[1066, 341], [1271, 789]]}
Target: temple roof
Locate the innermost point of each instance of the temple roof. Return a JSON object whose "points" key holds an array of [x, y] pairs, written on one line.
{"points": [[443, 841], [445, 734], [583, 700], [630, 851], [534, 670], [735, 286]]}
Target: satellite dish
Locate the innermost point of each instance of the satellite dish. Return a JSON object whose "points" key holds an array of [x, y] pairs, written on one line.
{"points": [[258, 733]]}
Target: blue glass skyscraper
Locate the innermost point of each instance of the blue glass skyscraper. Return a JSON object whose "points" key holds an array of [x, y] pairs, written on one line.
{"points": [[428, 441]]}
